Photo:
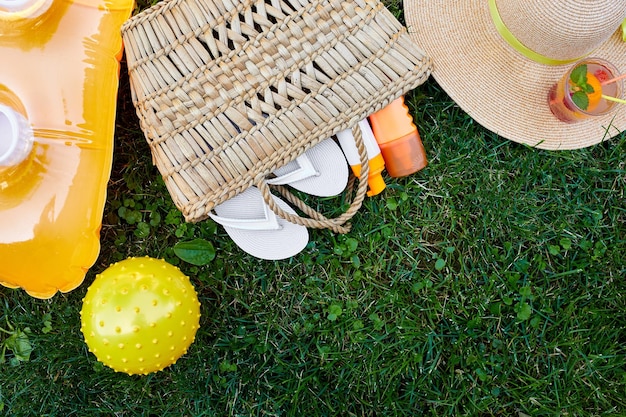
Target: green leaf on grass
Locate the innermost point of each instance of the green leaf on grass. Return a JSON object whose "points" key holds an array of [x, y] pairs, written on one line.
{"points": [[142, 230], [565, 243], [334, 311], [482, 374], [358, 325], [524, 310], [196, 252], [18, 343], [376, 320], [47, 323], [392, 203], [351, 244], [440, 264], [226, 366], [525, 291], [554, 249]]}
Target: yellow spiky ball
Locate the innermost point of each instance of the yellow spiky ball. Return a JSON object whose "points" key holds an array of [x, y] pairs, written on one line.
{"points": [[140, 315]]}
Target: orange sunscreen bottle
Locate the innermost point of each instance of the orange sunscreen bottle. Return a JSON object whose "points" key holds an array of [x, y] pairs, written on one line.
{"points": [[399, 141], [58, 92], [376, 162]]}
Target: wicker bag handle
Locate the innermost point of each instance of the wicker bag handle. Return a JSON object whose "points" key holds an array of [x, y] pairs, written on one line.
{"points": [[317, 220]]}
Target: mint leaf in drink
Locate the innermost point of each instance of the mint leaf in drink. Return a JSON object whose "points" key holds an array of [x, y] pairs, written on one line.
{"points": [[580, 99], [580, 88], [579, 75], [587, 88]]}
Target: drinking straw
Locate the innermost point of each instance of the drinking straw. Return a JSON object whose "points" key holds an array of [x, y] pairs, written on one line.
{"points": [[612, 80], [617, 100]]}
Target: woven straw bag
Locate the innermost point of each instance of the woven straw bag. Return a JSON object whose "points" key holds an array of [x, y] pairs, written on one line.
{"points": [[229, 90]]}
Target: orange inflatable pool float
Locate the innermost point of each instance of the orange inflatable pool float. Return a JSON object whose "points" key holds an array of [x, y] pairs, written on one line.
{"points": [[58, 90]]}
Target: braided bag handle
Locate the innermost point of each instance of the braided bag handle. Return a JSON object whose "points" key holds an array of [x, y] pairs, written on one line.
{"points": [[316, 220]]}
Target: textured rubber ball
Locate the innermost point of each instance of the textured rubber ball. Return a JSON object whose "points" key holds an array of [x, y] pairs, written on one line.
{"points": [[140, 315]]}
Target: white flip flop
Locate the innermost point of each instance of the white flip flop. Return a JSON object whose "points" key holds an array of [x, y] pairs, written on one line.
{"points": [[320, 171], [257, 230]]}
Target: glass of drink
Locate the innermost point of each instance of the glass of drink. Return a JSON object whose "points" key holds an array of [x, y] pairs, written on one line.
{"points": [[592, 87]]}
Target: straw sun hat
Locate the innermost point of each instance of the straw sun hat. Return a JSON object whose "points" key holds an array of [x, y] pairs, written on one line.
{"points": [[497, 59]]}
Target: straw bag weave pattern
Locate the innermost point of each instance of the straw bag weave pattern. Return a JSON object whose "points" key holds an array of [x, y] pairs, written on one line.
{"points": [[227, 91]]}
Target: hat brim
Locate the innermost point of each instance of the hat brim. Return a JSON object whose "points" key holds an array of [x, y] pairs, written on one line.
{"points": [[496, 85]]}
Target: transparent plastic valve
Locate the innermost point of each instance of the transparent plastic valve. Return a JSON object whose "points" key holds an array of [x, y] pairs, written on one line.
{"points": [[16, 9], [16, 137]]}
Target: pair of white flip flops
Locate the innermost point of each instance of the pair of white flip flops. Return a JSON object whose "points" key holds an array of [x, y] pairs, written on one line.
{"points": [[321, 171]]}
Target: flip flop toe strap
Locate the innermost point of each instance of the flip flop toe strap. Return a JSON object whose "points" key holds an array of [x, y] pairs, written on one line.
{"points": [[305, 170], [268, 222]]}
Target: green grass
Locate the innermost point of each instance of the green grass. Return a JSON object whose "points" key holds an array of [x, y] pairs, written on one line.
{"points": [[490, 283]]}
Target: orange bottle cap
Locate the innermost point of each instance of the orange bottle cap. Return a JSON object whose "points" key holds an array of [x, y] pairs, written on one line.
{"points": [[404, 156]]}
